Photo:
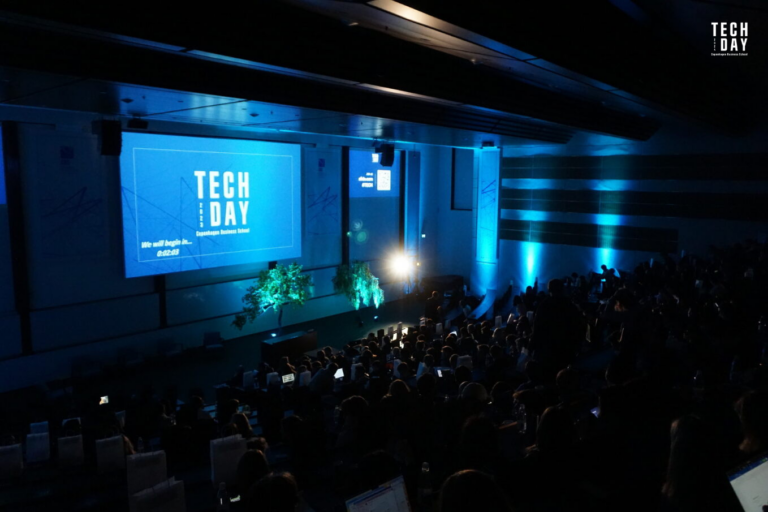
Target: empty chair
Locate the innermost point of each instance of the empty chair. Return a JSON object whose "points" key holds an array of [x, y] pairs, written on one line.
{"points": [[168, 348], [167, 496], [225, 454], [38, 428], [213, 342], [248, 380], [110, 454], [38, 448], [145, 470], [304, 378], [11, 461], [71, 451]]}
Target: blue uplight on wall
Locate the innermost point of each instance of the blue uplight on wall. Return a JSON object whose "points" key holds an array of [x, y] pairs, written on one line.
{"points": [[531, 263]]}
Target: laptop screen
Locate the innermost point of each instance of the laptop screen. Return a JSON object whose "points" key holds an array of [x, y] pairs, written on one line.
{"points": [[390, 497], [288, 378], [750, 483]]}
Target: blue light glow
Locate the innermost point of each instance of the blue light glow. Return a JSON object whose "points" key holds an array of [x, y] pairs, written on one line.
{"points": [[605, 257], [531, 263]]}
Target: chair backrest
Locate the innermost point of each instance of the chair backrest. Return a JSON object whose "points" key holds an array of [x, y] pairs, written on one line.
{"points": [[464, 361], [273, 379], [248, 379], [145, 470], [304, 378], [11, 461], [38, 447], [225, 455], [395, 367], [110, 454], [438, 328], [391, 331], [212, 338], [38, 428], [167, 496], [498, 322], [71, 451]]}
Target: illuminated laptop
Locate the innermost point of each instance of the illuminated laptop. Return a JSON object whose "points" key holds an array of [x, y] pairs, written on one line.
{"points": [[750, 483], [388, 497]]}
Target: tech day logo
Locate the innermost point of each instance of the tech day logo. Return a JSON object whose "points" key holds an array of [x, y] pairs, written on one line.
{"points": [[729, 39]]}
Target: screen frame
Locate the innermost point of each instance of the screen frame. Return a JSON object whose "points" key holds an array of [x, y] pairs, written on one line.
{"points": [[161, 276]]}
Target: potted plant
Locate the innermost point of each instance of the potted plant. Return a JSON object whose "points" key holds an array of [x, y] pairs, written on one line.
{"points": [[358, 284], [275, 288]]}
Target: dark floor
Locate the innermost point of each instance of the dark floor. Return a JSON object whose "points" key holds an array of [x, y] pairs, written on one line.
{"points": [[204, 372]]}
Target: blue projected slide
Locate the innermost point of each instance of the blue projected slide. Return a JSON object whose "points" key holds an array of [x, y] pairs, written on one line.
{"points": [[191, 203], [2, 169], [368, 178]]}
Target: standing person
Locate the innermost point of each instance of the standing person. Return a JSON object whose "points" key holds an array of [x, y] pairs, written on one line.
{"points": [[433, 303], [559, 328]]}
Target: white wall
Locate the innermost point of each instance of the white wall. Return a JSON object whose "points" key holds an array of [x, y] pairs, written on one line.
{"points": [[450, 242]]}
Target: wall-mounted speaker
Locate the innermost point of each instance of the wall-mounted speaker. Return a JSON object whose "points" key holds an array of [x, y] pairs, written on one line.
{"points": [[387, 155], [111, 137]]}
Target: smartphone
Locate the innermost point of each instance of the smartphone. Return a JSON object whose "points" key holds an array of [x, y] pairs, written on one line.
{"points": [[104, 400], [288, 378], [440, 373], [234, 499], [596, 412]]}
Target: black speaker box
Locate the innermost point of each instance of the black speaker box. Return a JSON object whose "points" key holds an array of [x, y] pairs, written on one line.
{"points": [[387, 155], [111, 136]]}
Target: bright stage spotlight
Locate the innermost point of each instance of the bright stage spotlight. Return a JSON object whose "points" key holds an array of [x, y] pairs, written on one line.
{"points": [[401, 265]]}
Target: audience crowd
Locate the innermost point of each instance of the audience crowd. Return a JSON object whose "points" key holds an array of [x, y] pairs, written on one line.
{"points": [[618, 390]]}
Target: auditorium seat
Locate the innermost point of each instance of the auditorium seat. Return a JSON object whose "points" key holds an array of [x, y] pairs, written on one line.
{"points": [[145, 470], [38, 428], [225, 454], [70, 453], [167, 496], [11, 461], [110, 454], [38, 448]]}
